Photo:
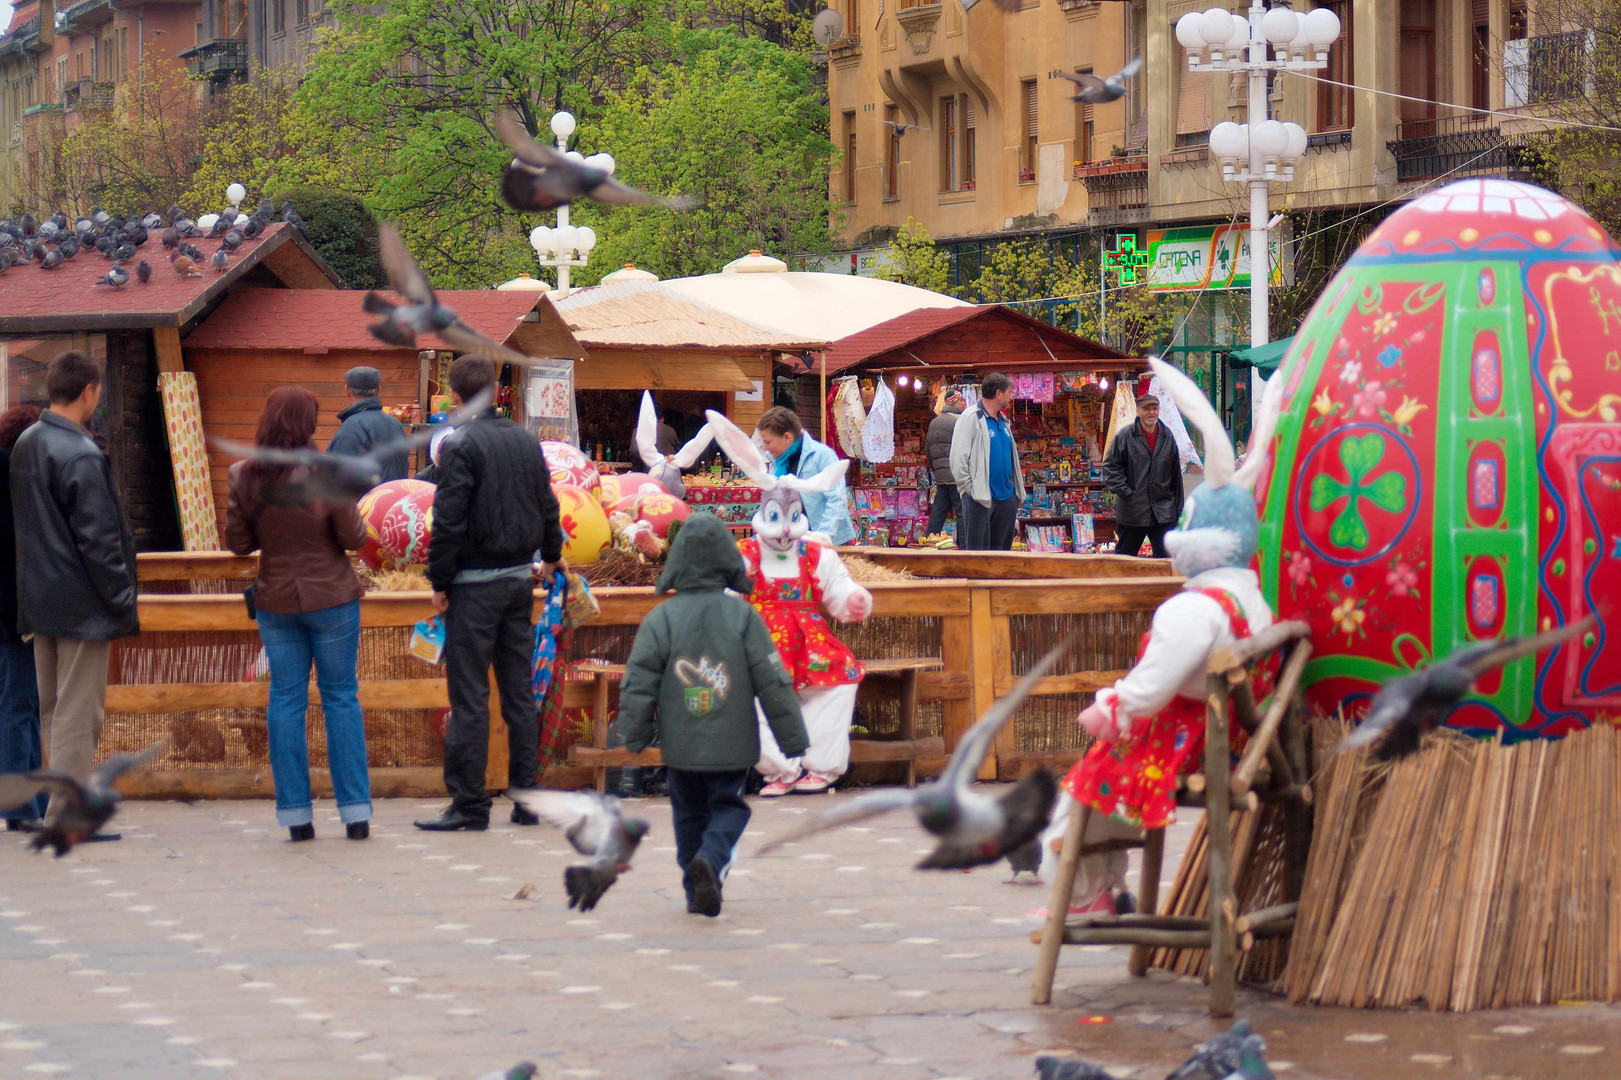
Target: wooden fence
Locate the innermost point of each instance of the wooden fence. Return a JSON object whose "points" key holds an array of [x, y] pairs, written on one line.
{"points": [[188, 674]]}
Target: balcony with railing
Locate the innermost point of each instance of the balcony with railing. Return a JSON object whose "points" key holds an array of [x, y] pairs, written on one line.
{"points": [[219, 58], [1467, 145], [86, 95], [1548, 69], [1116, 187]]}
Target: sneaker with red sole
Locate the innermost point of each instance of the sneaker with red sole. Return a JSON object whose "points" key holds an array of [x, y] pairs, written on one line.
{"points": [[814, 784], [779, 787]]}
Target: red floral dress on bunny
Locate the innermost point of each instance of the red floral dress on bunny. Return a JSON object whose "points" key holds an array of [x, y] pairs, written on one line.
{"points": [[1134, 779], [792, 610]]}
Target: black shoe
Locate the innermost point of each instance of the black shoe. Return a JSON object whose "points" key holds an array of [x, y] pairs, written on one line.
{"points": [[358, 830], [452, 820], [1125, 904], [26, 825], [102, 838], [703, 885], [300, 833], [520, 816]]}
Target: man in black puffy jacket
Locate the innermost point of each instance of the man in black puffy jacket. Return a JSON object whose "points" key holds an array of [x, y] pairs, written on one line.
{"points": [[1144, 470], [75, 564], [493, 511]]}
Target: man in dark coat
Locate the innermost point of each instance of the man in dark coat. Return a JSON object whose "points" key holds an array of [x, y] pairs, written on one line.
{"points": [[1144, 470], [937, 444], [75, 564], [492, 512], [365, 425], [700, 661], [20, 746]]}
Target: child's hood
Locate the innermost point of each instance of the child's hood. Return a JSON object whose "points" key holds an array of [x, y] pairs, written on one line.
{"points": [[704, 556]]}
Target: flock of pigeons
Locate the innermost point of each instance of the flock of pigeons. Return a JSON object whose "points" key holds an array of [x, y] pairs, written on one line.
{"points": [[119, 240]]}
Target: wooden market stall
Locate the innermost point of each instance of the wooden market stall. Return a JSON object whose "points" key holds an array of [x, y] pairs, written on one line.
{"points": [[260, 339], [1064, 388]]}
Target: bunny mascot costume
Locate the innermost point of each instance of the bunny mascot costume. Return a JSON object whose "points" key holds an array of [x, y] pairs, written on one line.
{"points": [[1150, 725], [666, 470], [795, 580]]}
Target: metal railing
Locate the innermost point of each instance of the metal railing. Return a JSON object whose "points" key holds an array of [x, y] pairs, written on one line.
{"points": [[1466, 145], [1550, 68]]}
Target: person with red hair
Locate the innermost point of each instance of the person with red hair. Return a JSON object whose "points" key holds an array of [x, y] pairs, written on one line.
{"points": [[307, 604]]}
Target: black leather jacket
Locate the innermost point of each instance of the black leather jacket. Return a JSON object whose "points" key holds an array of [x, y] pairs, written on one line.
{"points": [[75, 554], [1147, 486]]}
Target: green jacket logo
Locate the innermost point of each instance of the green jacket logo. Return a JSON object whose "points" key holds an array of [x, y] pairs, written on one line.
{"points": [[705, 683]]}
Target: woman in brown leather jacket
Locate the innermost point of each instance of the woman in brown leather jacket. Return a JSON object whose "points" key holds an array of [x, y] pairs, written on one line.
{"points": [[308, 602]]}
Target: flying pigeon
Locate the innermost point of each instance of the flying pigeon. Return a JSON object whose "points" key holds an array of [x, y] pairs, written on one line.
{"points": [[974, 829], [143, 271], [423, 313], [84, 808], [184, 266], [901, 129], [1096, 91], [220, 260], [1221, 1056], [341, 477], [597, 829], [116, 277], [1056, 1068], [541, 178], [1408, 707], [524, 1070], [290, 216]]}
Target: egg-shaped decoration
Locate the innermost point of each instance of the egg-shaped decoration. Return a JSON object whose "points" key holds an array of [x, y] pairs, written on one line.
{"points": [[617, 487], [569, 465], [399, 522], [1448, 467], [661, 511], [585, 525]]}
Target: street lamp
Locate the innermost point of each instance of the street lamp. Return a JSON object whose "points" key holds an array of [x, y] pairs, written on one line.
{"points": [[567, 246], [1263, 150]]}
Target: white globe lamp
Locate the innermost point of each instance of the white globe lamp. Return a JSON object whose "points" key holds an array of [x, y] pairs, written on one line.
{"points": [[1229, 141], [1322, 30], [585, 237], [1216, 26], [235, 194], [563, 125], [1188, 36], [575, 156], [566, 239], [1296, 148], [540, 238], [1279, 26], [605, 162]]}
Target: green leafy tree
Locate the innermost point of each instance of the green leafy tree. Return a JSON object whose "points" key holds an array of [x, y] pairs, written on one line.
{"points": [[735, 121], [913, 258], [341, 230], [253, 134]]}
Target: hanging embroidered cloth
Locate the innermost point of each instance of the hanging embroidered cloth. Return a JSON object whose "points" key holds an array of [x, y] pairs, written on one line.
{"points": [[1171, 418], [878, 433], [849, 416], [1125, 411]]}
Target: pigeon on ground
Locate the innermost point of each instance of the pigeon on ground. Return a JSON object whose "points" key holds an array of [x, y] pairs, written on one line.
{"points": [[69, 247], [232, 240], [184, 266], [105, 244], [524, 1070], [124, 253], [597, 829], [143, 271], [254, 226], [1408, 707], [290, 216], [192, 252], [541, 178], [1096, 91], [1026, 860], [151, 221], [116, 277], [100, 216], [28, 224], [974, 829], [47, 232], [220, 260], [171, 237], [83, 808], [1057, 1068], [341, 478], [5, 261], [423, 313], [1222, 1056], [51, 260], [901, 129]]}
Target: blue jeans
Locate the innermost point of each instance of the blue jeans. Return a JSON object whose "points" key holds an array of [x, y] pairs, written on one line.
{"points": [[20, 749], [331, 638], [709, 814]]}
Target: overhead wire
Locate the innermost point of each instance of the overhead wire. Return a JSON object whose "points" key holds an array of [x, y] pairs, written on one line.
{"points": [[1554, 120]]}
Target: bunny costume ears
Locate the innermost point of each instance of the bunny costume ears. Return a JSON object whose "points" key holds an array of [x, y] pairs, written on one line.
{"points": [[647, 440], [746, 456]]}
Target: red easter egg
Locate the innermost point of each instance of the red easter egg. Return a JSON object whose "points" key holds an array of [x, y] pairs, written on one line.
{"points": [[661, 511], [618, 487], [398, 517], [569, 465]]}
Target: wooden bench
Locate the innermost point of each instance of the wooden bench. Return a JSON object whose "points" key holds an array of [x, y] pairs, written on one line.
{"points": [[896, 677]]}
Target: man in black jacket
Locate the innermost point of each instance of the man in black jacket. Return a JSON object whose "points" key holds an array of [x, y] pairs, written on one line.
{"points": [[1144, 470], [364, 425], [75, 564], [937, 444], [492, 511]]}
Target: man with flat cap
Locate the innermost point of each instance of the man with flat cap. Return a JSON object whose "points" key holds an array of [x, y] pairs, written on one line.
{"points": [[1144, 470], [364, 424]]}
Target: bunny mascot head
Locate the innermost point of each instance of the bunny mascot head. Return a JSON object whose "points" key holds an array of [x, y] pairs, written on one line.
{"points": [[1219, 526], [666, 470], [781, 521]]}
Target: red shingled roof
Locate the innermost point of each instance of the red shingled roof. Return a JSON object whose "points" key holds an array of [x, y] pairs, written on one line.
{"points": [[35, 300], [306, 319], [21, 14], [914, 326]]}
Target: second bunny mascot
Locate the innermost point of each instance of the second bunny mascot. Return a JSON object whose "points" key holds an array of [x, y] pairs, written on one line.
{"points": [[796, 579]]}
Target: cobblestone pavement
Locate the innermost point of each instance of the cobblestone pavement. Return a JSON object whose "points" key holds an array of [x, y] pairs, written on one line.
{"points": [[206, 945]]}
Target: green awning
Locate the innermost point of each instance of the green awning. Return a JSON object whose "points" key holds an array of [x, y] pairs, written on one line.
{"points": [[1266, 357]]}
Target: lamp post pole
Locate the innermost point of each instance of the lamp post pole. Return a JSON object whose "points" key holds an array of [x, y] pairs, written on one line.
{"points": [[1260, 211], [557, 247]]}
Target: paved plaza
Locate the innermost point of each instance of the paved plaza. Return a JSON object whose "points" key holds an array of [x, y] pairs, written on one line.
{"points": [[205, 945]]}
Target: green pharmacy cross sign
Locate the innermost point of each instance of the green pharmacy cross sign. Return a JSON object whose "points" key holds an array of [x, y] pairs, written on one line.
{"points": [[1125, 258]]}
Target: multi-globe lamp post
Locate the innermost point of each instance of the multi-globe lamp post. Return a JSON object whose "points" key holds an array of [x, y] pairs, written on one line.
{"points": [[1264, 150], [566, 245]]}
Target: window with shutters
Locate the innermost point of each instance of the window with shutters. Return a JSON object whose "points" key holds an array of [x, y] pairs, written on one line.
{"points": [[1336, 108], [1029, 145], [1192, 107], [850, 156], [968, 142], [948, 143], [123, 52], [303, 12], [892, 154], [278, 16], [1083, 128], [1480, 55], [62, 77]]}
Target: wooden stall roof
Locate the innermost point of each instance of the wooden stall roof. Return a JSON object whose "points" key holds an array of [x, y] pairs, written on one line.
{"points": [[71, 297], [647, 315], [319, 323], [984, 335]]}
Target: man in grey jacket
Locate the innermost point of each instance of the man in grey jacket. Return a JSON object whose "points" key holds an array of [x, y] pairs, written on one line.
{"points": [[364, 425], [985, 464], [937, 444]]}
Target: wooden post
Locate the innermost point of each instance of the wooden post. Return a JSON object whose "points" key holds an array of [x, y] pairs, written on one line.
{"points": [[1052, 938], [1148, 894], [166, 340], [982, 669], [599, 724], [821, 399], [1218, 832], [908, 706], [957, 654], [498, 764], [1299, 818]]}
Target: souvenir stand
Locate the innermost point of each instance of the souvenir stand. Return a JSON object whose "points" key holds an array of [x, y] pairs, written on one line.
{"points": [[1064, 398]]}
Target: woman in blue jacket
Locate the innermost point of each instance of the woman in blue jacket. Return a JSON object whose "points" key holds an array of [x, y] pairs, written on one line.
{"points": [[795, 453]]}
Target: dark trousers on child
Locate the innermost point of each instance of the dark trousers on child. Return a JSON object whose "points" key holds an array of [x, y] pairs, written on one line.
{"points": [[709, 814]]}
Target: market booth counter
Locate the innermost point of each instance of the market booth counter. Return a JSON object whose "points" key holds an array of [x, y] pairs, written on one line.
{"points": [[192, 675]]}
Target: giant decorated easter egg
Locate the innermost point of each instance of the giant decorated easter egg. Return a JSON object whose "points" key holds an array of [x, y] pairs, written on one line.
{"points": [[399, 522], [658, 510], [623, 485], [585, 525], [569, 465], [1448, 467]]}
